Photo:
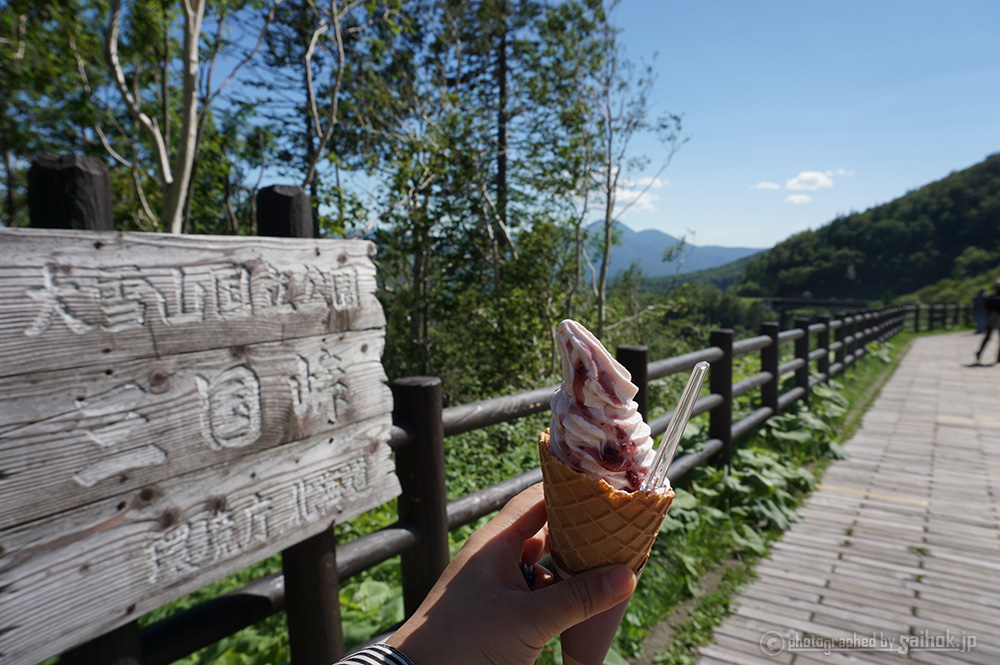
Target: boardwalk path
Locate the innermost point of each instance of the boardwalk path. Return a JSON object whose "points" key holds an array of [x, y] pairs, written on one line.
{"points": [[901, 539]]}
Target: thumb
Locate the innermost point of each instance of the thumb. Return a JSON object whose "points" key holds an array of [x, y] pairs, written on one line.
{"points": [[580, 597]]}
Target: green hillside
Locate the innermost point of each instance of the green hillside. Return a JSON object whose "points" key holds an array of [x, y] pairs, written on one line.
{"points": [[722, 276], [947, 229]]}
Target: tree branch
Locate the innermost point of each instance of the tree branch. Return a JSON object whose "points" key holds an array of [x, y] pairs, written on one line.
{"points": [[641, 313], [131, 102], [247, 58]]}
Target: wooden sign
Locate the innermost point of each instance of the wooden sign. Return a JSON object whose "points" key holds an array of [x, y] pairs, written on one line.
{"points": [[175, 408]]}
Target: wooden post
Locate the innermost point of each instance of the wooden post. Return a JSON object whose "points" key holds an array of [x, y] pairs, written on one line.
{"points": [[916, 318], [286, 212], [802, 351], [857, 326], [636, 360], [720, 381], [70, 192], [420, 467], [840, 335], [74, 192], [769, 356], [823, 342], [118, 647], [315, 634], [312, 598]]}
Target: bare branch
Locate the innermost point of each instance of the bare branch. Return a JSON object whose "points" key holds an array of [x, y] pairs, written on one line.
{"points": [[248, 57], [593, 271], [140, 191], [331, 119], [310, 89], [492, 212], [648, 310], [82, 70], [131, 102]]}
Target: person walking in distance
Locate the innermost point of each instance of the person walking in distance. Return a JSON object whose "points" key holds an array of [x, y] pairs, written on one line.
{"points": [[992, 320], [979, 310]]}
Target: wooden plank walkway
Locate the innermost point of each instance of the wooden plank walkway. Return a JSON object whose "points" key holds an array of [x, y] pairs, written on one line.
{"points": [[897, 558]]}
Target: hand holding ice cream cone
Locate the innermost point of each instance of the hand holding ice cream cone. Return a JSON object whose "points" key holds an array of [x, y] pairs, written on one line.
{"points": [[596, 458], [482, 611]]}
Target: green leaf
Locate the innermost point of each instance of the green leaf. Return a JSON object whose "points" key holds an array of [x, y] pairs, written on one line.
{"points": [[714, 514], [670, 525], [614, 658], [750, 539], [836, 450], [690, 564], [683, 500], [796, 436]]}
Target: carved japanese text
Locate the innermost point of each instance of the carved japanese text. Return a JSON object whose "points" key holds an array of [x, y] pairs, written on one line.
{"points": [[231, 410]]}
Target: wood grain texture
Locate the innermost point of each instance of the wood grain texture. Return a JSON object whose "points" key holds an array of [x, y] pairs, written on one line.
{"points": [[72, 576], [71, 437], [901, 540], [175, 408], [71, 299]]}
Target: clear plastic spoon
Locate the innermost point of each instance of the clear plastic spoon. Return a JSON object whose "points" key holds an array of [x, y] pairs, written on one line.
{"points": [[675, 429]]}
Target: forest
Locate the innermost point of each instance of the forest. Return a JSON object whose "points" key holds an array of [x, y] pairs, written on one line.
{"points": [[480, 144], [949, 229], [472, 141]]}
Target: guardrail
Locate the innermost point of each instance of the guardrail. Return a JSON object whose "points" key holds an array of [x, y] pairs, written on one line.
{"points": [[420, 536], [822, 350]]}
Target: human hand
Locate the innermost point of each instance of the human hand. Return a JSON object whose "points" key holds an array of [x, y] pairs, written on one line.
{"points": [[481, 611]]}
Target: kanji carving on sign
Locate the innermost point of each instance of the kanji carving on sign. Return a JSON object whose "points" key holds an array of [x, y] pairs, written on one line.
{"points": [[51, 297], [231, 412], [318, 385], [109, 421]]}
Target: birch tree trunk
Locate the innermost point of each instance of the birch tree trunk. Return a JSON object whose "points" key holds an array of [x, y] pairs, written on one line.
{"points": [[175, 192]]}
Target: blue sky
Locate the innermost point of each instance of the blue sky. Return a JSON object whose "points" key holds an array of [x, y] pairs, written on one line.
{"points": [[799, 111]]}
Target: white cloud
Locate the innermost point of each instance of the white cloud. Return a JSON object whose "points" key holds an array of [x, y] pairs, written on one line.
{"points": [[643, 183], [636, 199], [638, 195], [764, 184], [798, 199], [842, 172], [809, 180]]}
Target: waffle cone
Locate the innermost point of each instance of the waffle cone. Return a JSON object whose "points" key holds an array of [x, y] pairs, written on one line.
{"points": [[593, 524]]}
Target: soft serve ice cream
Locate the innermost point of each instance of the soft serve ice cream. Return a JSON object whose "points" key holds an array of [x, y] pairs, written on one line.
{"points": [[596, 426], [594, 457]]}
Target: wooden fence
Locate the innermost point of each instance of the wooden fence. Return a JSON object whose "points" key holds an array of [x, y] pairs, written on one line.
{"points": [[313, 568]]}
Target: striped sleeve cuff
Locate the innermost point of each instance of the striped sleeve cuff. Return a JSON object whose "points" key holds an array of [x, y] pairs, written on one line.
{"points": [[377, 654]]}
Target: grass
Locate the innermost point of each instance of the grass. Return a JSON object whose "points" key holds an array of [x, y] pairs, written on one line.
{"points": [[729, 569], [722, 521]]}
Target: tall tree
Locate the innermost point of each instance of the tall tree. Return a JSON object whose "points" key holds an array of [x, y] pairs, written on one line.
{"points": [[156, 86], [41, 105], [315, 81], [621, 92]]}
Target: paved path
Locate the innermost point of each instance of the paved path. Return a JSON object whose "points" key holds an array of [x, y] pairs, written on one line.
{"points": [[901, 540]]}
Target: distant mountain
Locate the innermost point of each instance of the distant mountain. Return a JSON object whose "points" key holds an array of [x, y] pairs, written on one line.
{"points": [[647, 247], [722, 277], [948, 228]]}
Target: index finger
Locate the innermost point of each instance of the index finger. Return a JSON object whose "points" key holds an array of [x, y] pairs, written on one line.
{"points": [[522, 517]]}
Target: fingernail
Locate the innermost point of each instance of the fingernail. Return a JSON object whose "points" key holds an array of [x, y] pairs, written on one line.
{"points": [[528, 571], [619, 581]]}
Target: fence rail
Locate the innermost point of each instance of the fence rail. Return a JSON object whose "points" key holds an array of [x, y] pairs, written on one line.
{"points": [[420, 536], [422, 432]]}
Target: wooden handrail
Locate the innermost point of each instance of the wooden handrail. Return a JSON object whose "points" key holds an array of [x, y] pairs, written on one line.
{"points": [[165, 641]]}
